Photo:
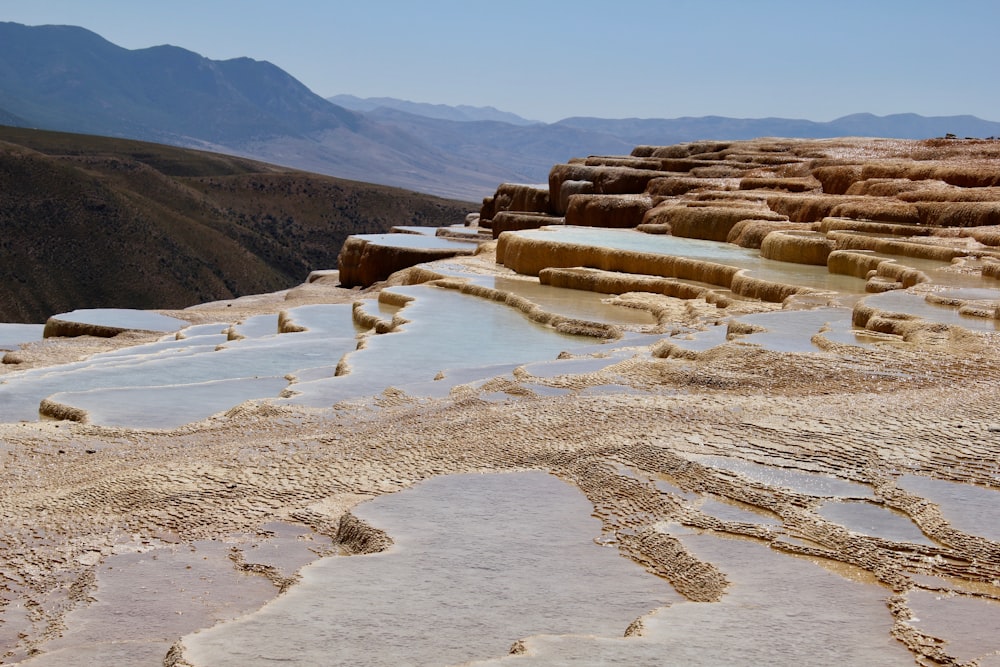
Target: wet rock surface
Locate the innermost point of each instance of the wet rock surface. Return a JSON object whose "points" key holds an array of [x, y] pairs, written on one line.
{"points": [[724, 448]]}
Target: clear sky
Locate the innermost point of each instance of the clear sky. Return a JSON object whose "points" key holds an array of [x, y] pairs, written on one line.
{"points": [[550, 59]]}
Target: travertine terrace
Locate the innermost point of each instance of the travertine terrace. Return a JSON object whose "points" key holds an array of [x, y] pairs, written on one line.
{"points": [[812, 396]]}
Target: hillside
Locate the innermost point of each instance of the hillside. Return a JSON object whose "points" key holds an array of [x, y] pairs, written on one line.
{"points": [[90, 222]]}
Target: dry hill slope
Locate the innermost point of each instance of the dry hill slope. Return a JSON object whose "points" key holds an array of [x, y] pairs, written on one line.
{"points": [[89, 222]]}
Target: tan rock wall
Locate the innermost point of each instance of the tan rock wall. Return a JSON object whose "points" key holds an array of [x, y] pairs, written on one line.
{"points": [[776, 183], [506, 221], [751, 233], [518, 197], [529, 256], [619, 211], [797, 247], [959, 214], [850, 241], [613, 282], [846, 224], [713, 223], [362, 263], [838, 179], [878, 209], [606, 180]]}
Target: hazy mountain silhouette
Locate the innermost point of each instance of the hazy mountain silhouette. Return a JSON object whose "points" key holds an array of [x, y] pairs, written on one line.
{"points": [[653, 131], [461, 112], [70, 79]]}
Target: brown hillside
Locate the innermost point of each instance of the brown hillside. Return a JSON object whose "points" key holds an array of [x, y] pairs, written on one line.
{"points": [[91, 222]]}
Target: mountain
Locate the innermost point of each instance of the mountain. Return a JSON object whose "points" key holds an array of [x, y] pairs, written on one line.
{"points": [[657, 131], [70, 79], [88, 221], [461, 113], [527, 150]]}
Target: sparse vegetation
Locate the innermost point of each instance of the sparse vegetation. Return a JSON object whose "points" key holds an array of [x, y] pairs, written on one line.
{"points": [[90, 221]]}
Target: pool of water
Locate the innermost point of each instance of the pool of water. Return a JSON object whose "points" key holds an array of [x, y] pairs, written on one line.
{"points": [[777, 610], [168, 406], [123, 318], [418, 241], [174, 381], [142, 602], [971, 509], [968, 624], [579, 304], [722, 253], [899, 301], [874, 520], [479, 561], [447, 331], [813, 484], [13, 335], [792, 330]]}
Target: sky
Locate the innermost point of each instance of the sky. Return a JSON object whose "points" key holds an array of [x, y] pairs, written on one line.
{"points": [[551, 59]]}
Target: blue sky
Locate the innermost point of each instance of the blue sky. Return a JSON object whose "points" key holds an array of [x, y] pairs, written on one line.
{"points": [[550, 59]]}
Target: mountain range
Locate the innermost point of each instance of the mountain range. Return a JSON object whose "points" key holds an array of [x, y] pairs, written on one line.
{"points": [[70, 79]]}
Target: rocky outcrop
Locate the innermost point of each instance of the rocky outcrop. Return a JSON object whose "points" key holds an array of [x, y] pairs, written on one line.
{"points": [[510, 221], [797, 247], [607, 210], [834, 203], [363, 261], [713, 223]]}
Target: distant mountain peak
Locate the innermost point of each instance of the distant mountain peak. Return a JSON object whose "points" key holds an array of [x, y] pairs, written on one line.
{"points": [[461, 113]]}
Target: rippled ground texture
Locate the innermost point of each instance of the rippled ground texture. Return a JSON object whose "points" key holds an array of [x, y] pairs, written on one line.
{"points": [[828, 499], [878, 416]]}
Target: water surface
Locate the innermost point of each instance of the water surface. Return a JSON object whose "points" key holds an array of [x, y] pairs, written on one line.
{"points": [[479, 561]]}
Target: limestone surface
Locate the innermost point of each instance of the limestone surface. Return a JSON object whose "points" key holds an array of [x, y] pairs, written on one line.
{"points": [[757, 443]]}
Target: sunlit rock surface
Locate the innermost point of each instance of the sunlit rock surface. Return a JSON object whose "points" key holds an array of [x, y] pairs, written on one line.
{"points": [[769, 367]]}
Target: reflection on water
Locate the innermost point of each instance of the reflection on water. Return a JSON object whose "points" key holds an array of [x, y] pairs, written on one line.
{"points": [[899, 301], [580, 304], [479, 561], [792, 330], [447, 331], [971, 509], [874, 520], [13, 335], [777, 610], [124, 318], [710, 251], [971, 625], [802, 482]]}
